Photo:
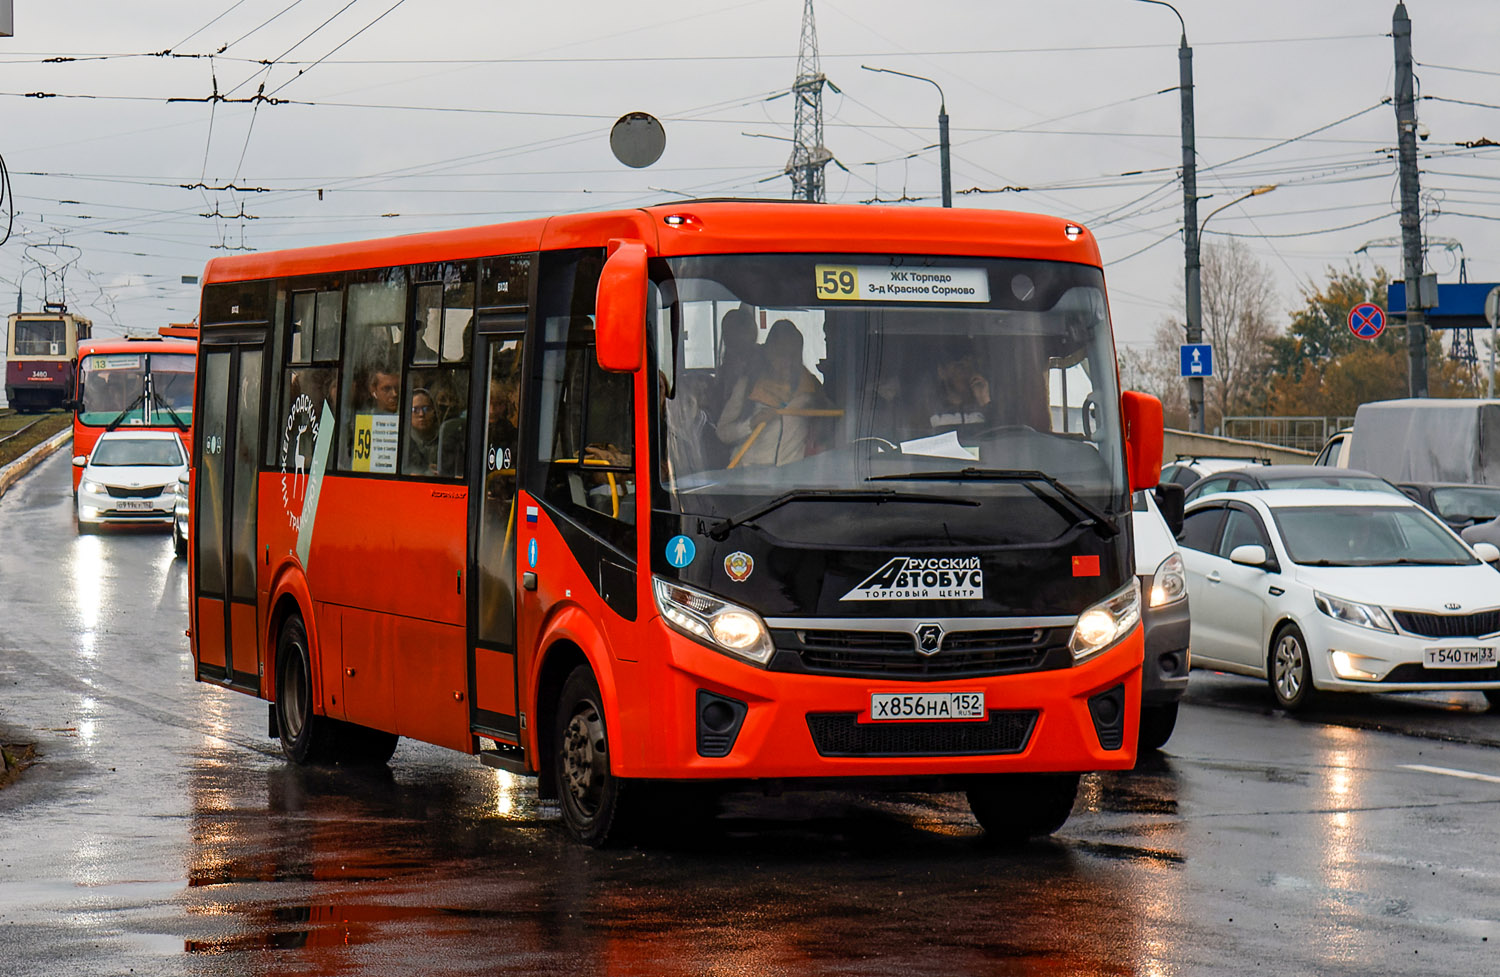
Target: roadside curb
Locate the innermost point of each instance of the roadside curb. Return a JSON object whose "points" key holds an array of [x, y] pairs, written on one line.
{"points": [[12, 472]]}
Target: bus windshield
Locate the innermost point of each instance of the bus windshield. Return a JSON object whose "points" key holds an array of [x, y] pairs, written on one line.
{"points": [[116, 383], [782, 373]]}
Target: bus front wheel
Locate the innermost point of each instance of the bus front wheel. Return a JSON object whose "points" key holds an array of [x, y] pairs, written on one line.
{"points": [[590, 794], [1013, 808]]}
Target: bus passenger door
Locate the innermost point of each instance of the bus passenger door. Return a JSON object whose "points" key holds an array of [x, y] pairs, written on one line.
{"points": [[493, 529], [224, 508]]}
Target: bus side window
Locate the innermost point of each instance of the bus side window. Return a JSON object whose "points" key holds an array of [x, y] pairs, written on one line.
{"points": [[369, 415]]}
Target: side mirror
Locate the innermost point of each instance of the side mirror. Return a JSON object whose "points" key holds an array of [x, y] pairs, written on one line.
{"points": [[1170, 498], [1142, 417], [1488, 552], [1249, 555], [80, 460], [620, 308], [183, 478]]}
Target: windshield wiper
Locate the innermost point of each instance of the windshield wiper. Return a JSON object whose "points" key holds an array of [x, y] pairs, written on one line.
{"points": [[139, 401], [161, 402], [720, 530], [1097, 518]]}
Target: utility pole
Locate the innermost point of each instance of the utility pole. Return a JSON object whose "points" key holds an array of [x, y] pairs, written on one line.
{"points": [[1190, 236], [809, 155], [1411, 218], [1192, 284]]}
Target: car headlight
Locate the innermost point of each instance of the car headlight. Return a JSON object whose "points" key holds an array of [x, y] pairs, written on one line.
{"points": [[717, 623], [1169, 583], [93, 487], [1106, 622], [1353, 612]]}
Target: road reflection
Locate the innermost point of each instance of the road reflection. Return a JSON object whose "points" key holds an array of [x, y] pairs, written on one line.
{"points": [[442, 869]]}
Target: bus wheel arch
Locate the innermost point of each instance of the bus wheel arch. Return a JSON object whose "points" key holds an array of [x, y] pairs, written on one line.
{"points": [[561, 658]]}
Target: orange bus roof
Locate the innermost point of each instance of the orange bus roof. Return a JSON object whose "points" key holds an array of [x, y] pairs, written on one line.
{"points": [[720, 227], [135, 344]]}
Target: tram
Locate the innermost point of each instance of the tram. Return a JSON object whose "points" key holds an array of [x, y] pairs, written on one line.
{"points": [[40, 352]]}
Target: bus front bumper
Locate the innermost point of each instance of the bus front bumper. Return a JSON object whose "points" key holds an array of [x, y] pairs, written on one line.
{"points": [[755, 723]]}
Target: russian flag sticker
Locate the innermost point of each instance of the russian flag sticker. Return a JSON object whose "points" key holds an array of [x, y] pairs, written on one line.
{"points": [[1085, 566], [531, 513]]}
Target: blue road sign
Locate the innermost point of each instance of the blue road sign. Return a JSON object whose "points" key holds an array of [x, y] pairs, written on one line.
{"points": [[1197, 359], [1366, 320]]}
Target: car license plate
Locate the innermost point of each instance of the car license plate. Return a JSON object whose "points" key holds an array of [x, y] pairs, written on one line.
{"points": [[1460, 657], [886, 706], [133, 505]]}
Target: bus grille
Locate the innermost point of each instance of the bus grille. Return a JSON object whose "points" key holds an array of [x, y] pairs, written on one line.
{"points": [[120, 492], [893, 654], [840, 734], [1449, 625]]}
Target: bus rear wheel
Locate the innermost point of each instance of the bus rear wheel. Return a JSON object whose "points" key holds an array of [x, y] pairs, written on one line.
{"points": [[1013, 808], [307, 737], [589, 792]]}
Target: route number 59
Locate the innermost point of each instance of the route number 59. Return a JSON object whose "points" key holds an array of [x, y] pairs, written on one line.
{"points": [[835, 282]]}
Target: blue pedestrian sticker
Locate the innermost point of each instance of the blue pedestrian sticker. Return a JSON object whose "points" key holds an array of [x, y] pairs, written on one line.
{"points": [[680, 551], [531, 552]]}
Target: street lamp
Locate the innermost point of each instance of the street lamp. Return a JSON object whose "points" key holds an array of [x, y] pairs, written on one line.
{"points": [[942, 128], [1240, 199]]}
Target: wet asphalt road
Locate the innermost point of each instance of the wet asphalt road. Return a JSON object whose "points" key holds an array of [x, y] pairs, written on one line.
{"points": [[162, 834]]}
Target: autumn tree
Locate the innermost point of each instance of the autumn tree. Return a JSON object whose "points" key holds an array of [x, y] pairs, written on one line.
{"points": [[1320, 369]]}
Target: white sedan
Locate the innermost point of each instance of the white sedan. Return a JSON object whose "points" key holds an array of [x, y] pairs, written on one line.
{"points": [[1342, 591], [130, 477]]}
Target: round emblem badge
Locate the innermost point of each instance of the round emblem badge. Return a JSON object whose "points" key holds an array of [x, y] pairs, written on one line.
{"points": [[298, 436], [739, 566]]}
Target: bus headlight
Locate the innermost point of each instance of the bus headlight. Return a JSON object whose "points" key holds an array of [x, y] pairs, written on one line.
{"points": [[712, 621], [1169, 583], [1106, 622]]}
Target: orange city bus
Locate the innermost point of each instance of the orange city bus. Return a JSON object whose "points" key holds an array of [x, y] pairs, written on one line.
{"points": [[713, 493], [143, 383]]}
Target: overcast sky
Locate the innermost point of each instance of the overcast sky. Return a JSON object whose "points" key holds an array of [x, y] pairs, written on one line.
{"points": [[448, 113]]}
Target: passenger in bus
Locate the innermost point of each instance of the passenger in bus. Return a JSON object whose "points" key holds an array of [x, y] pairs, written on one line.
{"points": [[422, 440], [385, 389], [768, 419], [739, 355], [958, 397]]}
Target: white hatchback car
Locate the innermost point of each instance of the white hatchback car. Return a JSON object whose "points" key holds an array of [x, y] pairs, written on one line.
{"points": [[1339, 590], [130, 477]]}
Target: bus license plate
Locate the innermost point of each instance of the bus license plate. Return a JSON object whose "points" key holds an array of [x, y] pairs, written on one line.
{"points": [[926, 705], [133, 505], [1460, 657]]}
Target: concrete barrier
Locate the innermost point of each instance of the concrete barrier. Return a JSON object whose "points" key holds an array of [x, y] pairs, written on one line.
{"points": [[1188, 445], [12, 472]]}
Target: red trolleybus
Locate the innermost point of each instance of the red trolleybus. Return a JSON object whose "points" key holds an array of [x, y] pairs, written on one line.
{"points": [[746, 493], [137, 383], [40, 348]]}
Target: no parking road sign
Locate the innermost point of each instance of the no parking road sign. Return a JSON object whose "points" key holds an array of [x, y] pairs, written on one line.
{"points": [[1366, 320]]}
